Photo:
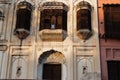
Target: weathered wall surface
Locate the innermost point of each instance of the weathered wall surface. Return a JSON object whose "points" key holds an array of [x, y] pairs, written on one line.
{"points": [[82, 58]]}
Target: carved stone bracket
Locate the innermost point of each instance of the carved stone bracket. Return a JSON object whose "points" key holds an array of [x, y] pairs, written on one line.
{"points": [[84, 34], [21, 33]]}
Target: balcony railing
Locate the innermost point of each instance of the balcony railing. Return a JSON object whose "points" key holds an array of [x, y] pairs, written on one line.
{"points": [[53, 34]]}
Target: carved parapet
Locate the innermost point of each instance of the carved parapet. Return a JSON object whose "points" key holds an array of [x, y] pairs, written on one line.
{"points": [[53, 34], [84, 34]]}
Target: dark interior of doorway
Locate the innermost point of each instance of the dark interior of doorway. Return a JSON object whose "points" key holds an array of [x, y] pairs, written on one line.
{"points": [[113, 70], [51, 71]]}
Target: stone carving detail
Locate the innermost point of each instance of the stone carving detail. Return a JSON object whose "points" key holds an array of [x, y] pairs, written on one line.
{"points": [[52, 56], [19, 67], [84, 34], [85, 67], [54, 5], [53, 35], [18, 72], [112, 53]]}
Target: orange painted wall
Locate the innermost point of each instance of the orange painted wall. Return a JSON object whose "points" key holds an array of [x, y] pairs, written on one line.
{"points": [[107, 47]]}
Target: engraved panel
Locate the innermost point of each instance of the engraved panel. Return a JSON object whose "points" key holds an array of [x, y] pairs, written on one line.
{"points": [[52, 56], [85, 51], [19, 67], [108, 53], [116, 53], [85, 67], [3, 47]]}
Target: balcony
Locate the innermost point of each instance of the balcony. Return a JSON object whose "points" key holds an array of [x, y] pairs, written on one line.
{"points": [[53, 35]]}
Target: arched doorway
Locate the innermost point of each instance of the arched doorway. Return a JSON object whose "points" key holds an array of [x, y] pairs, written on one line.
{"points": [[51, 66]]}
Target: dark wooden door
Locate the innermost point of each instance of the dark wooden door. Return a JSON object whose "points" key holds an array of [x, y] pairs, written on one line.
{"points": [[52, 72], [113, 70]]}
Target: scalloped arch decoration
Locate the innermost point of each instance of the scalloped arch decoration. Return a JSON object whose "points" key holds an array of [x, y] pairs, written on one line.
{"points": [[52, 56], [76, 2], [32, 2]]}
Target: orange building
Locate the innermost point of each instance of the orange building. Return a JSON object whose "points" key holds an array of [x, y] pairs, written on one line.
{"points": [[109, 29]]}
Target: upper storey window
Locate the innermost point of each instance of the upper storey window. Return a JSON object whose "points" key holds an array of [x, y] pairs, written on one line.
{"points": [[53, 21], [83, 17], [53, 16], [23, 19], [1, 22], [112, 20]]}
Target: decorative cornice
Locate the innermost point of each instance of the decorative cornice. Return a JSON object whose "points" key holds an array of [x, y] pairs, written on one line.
{"points": [[53, 5]]}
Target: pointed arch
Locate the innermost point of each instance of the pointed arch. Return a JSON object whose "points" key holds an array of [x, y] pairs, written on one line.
{"points": [[78, 1], [52, 56], [19, 1]]}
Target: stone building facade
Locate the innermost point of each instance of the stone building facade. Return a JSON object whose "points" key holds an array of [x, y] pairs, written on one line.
{"points": [[49, 39]]}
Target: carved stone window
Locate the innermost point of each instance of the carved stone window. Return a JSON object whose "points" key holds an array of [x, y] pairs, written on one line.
{"points": [[84, 27], [112, 20], [23, 19], [53, 21]]}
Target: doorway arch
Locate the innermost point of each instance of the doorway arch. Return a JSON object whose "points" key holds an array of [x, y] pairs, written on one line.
{"points": [[51, 59]]}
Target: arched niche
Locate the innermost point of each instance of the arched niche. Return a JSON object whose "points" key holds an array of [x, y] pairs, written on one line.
{"points": [[85, 68], [51, 57]]}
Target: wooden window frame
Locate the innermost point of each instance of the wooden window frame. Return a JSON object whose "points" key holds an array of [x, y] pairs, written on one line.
{"points": [[56, 13], [112, 21], [83, 19]]}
